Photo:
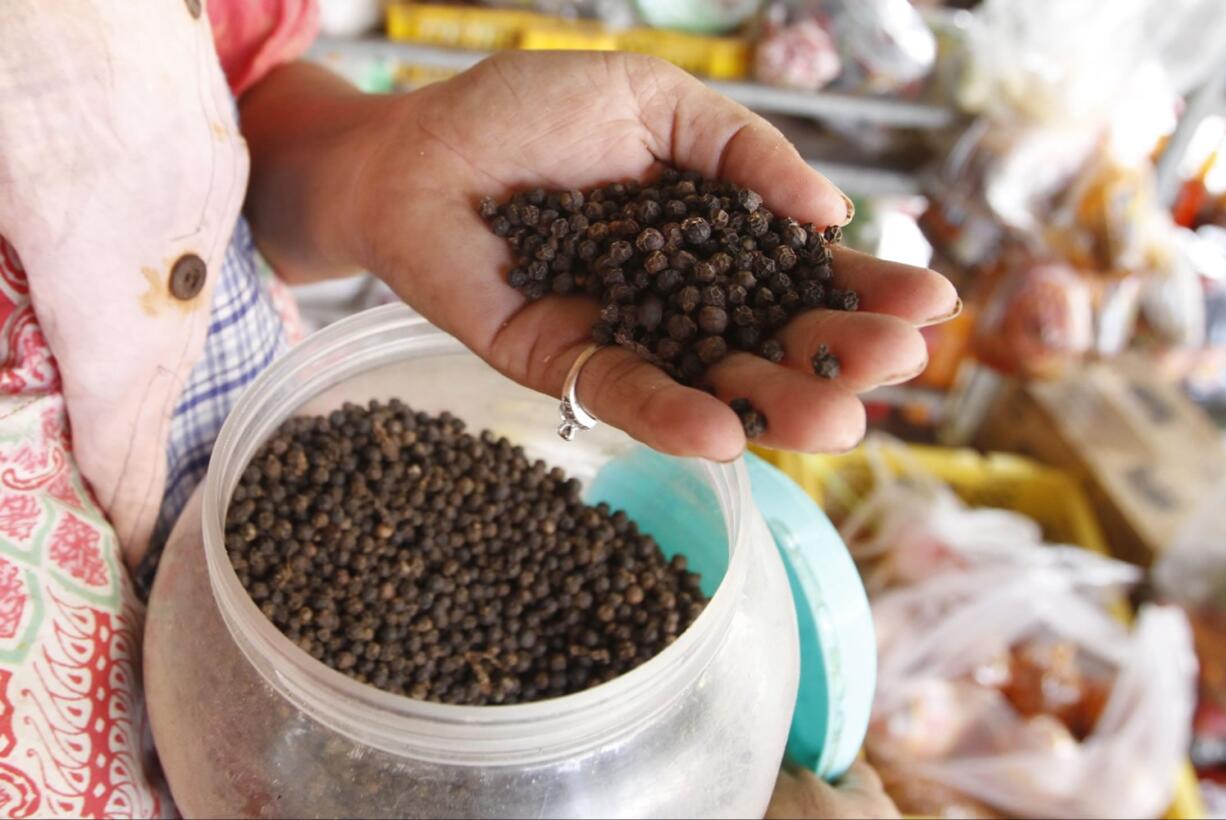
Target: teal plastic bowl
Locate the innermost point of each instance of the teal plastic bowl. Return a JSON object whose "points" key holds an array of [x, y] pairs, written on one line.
{"points": [[838, 650]]}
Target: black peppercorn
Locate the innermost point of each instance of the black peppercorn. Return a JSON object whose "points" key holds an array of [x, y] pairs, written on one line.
{"points": [[843, 299], [655, 262], [752, 420], [711, 349], [713, 320], [785, 257], [794, 236], [688, 299], [668, 280], [620, 251], [772, 351], [776, 317], [748, 200], [757, 223], [648, 240], [826, 364], [682, 261], [812, 294], [763, 297], [696, 230], [681, 327], [571, 201], [649, 212], [743, 316]]}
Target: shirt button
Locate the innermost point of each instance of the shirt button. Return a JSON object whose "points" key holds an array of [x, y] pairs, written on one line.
{"points": [[194, 7], [187, 277]]}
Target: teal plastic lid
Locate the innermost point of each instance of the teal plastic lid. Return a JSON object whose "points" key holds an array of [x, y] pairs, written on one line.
{"points": [[838, 649]]}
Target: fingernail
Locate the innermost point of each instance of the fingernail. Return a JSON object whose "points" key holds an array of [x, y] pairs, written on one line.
{"points": [[945, 317], [902, 378], [851, 209]]}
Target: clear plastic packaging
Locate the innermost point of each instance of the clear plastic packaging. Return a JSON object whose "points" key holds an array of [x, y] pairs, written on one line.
{"points": [[1071, 63], [886, 45], [248, 725], [795, 54], [936, 721], [1007, 683]]}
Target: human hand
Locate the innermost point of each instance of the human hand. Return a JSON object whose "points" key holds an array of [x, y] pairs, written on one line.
{"points": [[570, 120], [801, 794]]}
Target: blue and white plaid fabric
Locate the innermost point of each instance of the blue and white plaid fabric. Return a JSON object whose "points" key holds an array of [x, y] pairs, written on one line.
{"points": [[245, 335]]}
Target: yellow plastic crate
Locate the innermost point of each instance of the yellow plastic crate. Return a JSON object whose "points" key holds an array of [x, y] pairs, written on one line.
{"points": [[410, 77], [1000, 480], [568, 38], [458, 26], [1049, 496], [721, 58], [481, 29]]}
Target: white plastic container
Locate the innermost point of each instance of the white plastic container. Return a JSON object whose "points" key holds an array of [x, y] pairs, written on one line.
{"points": [[248, 724]]}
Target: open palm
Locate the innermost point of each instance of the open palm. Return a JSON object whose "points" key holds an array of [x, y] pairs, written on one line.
{"points": [[570, 120]]}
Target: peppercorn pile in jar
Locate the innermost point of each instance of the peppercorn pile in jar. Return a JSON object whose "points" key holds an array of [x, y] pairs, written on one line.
{"points": [[413, 556]]}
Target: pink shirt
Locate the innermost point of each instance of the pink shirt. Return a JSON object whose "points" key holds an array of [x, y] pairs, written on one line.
{"points": [[119, 156]]}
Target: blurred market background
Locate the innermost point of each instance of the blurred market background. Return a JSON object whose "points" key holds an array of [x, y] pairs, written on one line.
{"points": [[1064, 163]]}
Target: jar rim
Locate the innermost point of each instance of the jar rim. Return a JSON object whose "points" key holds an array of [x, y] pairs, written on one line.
{"points": [[476, 735]]}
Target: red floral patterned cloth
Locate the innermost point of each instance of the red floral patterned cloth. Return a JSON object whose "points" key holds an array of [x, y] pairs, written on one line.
{"points": [[72, 721]]}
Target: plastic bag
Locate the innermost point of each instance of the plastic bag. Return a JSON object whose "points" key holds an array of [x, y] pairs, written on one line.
{"points": [[886, 44], [1072, 62], [1005, 683], [1037, 322], [913, 527], [795, 54], [939, 637]]}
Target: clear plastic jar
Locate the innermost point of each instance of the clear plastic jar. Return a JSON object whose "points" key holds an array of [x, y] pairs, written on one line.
{"points": [[248, 724]]}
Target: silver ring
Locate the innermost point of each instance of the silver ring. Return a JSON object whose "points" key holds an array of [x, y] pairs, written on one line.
{"points": [[574, 416]]}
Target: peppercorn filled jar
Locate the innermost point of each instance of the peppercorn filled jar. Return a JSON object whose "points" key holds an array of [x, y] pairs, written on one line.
{"points": [[248, 724]]}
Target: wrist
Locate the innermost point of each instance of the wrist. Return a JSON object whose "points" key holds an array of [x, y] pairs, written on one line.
{"points": [[346, 208]]}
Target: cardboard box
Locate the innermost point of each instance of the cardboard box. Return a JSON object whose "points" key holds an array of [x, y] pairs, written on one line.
{"points": [[1145, 453]]}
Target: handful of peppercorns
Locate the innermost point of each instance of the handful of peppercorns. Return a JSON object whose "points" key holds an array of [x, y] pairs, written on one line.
{"points": [[685, 268]]}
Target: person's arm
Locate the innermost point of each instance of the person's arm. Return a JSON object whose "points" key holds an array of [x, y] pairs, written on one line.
{"points": [[342, 181], [309, 132]]}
